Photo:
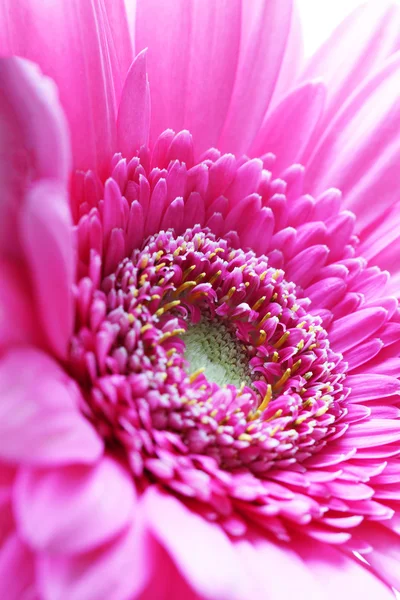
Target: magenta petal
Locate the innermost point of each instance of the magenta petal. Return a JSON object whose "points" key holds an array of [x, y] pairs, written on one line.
{"points": [[78, 507], [46, 228], [284, 133], [192, 58], [84, 46], [14, 300], [17, 570], [133, 120], [201, 550], [40, 422], [33, 140]]}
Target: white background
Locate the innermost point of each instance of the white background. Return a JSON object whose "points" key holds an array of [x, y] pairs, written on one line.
{"points": [[320, 17]]}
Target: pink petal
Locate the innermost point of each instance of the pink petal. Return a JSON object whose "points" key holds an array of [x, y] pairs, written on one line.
{"points": [[359, 153], [193, 51], [372, 387], [284, 133], [40, 422], [78, 507], [201, 550], [14, 300], [47, 239], [133, 120], [117, 571], [265, 28], [356, 48], [356, 327], [17, 570], [85, 48], [33, 140]]}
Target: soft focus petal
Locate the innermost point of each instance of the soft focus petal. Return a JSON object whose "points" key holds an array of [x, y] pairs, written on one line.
{"points": [[75, 43], [360, 152], [201, 550], [356, 48], [265, 27], [17, 570], [40, 422], [47, 240], [14, 300], [33, 140], [78, 507], [284, 133], [117, 571], [193, 52], [134, 109]]}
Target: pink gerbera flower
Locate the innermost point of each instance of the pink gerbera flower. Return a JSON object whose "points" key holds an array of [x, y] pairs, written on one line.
{"points": [[199, 368]]}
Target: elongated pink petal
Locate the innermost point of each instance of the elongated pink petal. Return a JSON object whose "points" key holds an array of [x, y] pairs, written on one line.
{"points": [[75, 43], [261, 56], [284, 133], [192, 62], [40, 422], [359, 153], [133, 120], [200, 549], [17, 570], [79, 507], [356, 327], [33, 140], [47, 240], [357, 47]]}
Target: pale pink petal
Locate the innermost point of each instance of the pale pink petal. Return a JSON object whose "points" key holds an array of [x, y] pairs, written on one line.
{"points": [[40, 422], [78, 507], [201, 550], [33, 140], [75, 43], [293, 58], [284, 133], [47, 241], [357, 47], [265, 27], [133, 120], [359, 153], [120, 570], [17, 570], [192, 62]]}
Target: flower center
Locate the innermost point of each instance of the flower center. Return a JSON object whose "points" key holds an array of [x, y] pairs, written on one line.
{"points": [[272, 387], [211, 346]]}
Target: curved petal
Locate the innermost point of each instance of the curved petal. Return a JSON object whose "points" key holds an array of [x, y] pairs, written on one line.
{"points": [[284, 133], [47, 240], [133, 120], [117, 571], [265, 29], [357, 47], [360, 153], [17, 570], [33, 141], [78, 507], [40, 422], [193, 51], [84, 46], [201, 550]]}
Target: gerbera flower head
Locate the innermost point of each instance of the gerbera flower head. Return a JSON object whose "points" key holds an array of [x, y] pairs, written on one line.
{"points": [[199, 368]]}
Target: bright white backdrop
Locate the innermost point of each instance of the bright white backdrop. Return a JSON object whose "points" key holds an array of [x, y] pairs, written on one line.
{"points": [[320, 18]]}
